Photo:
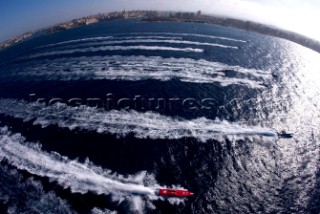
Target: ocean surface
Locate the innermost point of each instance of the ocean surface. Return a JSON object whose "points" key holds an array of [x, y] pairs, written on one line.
{"points": [[95, 119]]}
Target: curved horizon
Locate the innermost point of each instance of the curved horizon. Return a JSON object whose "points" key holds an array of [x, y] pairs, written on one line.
{"points": [[299, 16]]}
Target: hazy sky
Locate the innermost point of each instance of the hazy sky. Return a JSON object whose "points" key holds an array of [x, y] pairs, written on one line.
{"points": [[19, 16]]}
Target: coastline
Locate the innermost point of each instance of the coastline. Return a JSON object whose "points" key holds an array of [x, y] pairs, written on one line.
{"points": [[165, 16]]}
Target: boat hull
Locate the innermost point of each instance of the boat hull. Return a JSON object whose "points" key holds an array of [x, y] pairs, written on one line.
{"points": [[174, 193]]}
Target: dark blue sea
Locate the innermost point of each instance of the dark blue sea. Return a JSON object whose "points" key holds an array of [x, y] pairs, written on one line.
{"points": [[97, 118]]}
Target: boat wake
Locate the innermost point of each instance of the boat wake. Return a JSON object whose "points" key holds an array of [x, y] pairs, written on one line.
{"points": [[114, 48], [105, 38], [192, 35], [122, 123], [165, 36], [135, 68], [169, 41], [79, 177], [28, 195]]}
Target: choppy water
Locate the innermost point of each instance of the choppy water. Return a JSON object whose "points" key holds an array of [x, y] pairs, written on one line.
{"points": [[95, 119]]}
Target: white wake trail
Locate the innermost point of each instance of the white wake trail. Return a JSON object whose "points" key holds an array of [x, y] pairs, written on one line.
{"points": [[105, 38], [78, 40], [122, 123], [169, 41], [28, 195], [193, 35], [115, 48], [135, 68], [79, 177], [170, 36]]}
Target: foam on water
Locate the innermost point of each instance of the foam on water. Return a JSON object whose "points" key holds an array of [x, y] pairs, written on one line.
{"points": [[193, 35], [28, 195], [114, 48], [142, 125], [105, 211], [79, 177], [149, 35], [141, 67], [79, 40], [169, 41], [106, 38]]}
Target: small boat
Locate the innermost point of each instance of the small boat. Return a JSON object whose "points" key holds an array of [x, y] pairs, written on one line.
{"points": [[284, 134], [174, 192]]}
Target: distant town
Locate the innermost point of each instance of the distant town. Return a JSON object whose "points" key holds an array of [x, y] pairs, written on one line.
{"points": [[156, 16], [101, 17]]}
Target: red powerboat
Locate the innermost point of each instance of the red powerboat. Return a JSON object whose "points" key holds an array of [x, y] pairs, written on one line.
{"points": [[174, 192]]}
